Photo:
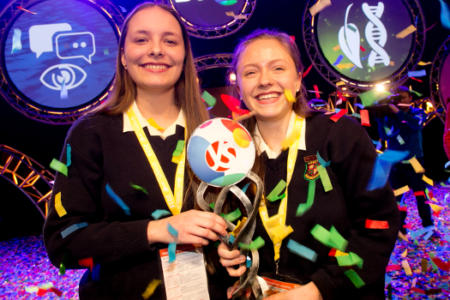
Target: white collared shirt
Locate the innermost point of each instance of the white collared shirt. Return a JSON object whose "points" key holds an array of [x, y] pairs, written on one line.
{"points": [[152, 130], [261, 145]]}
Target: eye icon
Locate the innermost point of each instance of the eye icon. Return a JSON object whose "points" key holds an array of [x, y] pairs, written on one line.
{"points": [[63, 76]]}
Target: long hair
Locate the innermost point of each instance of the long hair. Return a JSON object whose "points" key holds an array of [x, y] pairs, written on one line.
{"points": [[187, 91], [300, 106]]}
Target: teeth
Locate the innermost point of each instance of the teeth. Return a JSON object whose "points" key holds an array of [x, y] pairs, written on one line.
{"points": [[155, 67], [267, 96]]}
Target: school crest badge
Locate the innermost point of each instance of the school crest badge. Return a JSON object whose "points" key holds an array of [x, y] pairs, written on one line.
{"points": [[311, 164]]}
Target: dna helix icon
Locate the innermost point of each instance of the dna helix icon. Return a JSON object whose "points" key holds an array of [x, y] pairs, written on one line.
{"points": [[376, 34]]}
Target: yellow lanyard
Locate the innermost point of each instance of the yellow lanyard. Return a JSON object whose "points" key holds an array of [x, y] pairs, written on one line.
{"points": [[173, 202], [276, 225]]}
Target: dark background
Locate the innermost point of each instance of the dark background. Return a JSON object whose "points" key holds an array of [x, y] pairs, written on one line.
{"points": [[43, 142]]}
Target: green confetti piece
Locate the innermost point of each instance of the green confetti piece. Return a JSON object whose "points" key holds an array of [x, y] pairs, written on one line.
{"points": [[159, 213], [372, 96], [330, 238], [351, 259], [59, 167], [304, 207], [354, 277], [254, 245], [227, 2], [138, 188], [233, 216], [62, 269], [326, 182], [211, 205], [274, 195], [338, 241], [178, 149], [209, 99]]}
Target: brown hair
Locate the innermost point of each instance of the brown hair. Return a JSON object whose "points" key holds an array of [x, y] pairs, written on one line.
{"points": [[300, 107], [187, 91]]}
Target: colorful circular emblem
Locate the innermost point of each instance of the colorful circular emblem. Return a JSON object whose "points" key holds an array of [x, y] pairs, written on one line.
{"points": [[221, 152]]}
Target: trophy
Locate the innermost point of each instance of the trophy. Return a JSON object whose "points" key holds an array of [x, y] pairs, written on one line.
{"points": [[221, 153]]}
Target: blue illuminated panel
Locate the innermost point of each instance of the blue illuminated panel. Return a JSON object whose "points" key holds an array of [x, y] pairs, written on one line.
{"points": [[63, 55]]}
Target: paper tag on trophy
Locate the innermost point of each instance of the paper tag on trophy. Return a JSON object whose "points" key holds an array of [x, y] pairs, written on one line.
{"points": [[221, 152], [185, 278]]}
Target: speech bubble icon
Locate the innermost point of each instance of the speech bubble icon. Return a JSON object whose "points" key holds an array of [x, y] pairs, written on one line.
{"points": [[41, 36], [75, 45]]}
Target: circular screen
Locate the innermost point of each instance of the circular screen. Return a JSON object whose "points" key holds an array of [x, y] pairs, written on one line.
{"points": [[60, 58], [213, 18], [365, 40]]}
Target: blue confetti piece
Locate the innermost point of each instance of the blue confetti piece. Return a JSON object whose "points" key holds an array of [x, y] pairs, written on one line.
{"points": [[96, 273], [68, 155], [231, 239], [248, 262], [380, 174], [338, 60], [172, 252], [322, 161], [118, 200], [172, 230], [244, 189], [301, 250], [418, 73], [72, 228], [158, 213]]}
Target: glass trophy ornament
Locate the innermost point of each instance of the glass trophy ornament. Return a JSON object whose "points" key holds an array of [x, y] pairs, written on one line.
{"points": [[221, 153]]}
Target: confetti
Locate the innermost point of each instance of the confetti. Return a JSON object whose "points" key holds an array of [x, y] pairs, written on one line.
{"points": [[117, 199], [138, 188], [233, 216], [354, 277], [254, 245], [72, 228], [60, 210], [208, 98], [417, 73], [172, 250], [301, 250], [275, 194], [173, 232], [151, 288], [289, 96], [68, 155], [405, 32], [376, 224], [159, 213], [59, 167], [319, 6]]}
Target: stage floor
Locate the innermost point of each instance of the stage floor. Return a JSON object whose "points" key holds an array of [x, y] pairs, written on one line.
{"points": [[24, 266]]}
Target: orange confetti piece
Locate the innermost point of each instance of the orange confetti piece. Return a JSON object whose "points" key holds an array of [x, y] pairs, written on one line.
{"points": [[406, 267], [401, 190], [339, 115], [405, 32]]}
